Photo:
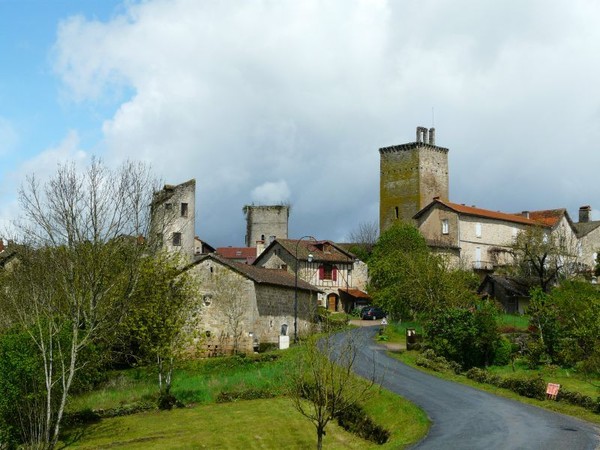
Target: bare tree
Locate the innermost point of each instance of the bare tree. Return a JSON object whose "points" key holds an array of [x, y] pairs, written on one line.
{"points": [[81, 244], [364, 238], [229, 297], [545, 257], [323, 384]]}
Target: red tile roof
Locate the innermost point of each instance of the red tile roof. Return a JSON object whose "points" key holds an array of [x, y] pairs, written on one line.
{"points": [[548, 217], [479, 212], [237, 252]]}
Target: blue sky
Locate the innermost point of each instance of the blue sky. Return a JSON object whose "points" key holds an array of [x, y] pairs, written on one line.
{"points": [[271, 101]]}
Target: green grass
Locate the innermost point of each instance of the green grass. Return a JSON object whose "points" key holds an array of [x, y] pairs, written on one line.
{"points": [[269, 423], [517, 322], [255, 424]]}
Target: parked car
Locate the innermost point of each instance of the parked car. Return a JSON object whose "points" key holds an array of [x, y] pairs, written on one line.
{"points": [[372, 313]]}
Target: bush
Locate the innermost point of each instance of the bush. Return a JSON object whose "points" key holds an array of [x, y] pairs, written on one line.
{"points": [[247, 394], [466, 336], [430, 360], [527, 387], [575, 398], [503, 352], [353, 419]]}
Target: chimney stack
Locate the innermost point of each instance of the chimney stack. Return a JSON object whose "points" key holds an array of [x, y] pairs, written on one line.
{"points": [[584, 213], [525, 214], [432, 136]]}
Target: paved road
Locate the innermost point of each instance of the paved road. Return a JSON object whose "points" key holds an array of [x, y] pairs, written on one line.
{"points": [[466, 418]]}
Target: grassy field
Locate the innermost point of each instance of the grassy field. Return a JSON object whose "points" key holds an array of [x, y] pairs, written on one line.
{"points": [[266, 423]]}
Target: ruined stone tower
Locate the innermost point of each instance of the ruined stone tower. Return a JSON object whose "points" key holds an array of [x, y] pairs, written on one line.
{"points": [[173, 217], [265, 223], [411, 175]]}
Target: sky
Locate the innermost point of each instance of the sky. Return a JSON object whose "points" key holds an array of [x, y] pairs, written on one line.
{"points": [[272, 101]]}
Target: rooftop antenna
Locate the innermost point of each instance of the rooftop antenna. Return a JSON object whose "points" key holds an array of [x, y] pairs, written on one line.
{"points": [[432, 117]]}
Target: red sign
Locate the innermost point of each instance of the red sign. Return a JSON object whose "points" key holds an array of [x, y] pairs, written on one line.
{"points": [[552, 391]]}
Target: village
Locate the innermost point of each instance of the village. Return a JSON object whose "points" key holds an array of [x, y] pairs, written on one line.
{"points": [[122, 285], [286, 279]]}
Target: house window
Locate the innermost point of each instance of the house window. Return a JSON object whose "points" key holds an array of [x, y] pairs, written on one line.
{"points": [[445, 227], [177, 239], [184, 210], [478, 230], [328, 272]]}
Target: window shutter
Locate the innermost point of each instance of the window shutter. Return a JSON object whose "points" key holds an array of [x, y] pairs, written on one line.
{"points": [[334, 273], [321, 272]]}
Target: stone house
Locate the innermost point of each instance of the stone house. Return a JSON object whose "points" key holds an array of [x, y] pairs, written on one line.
{"points": [[414, 186], [471, 237], [588, 232], [244, 306], [322, 264]]}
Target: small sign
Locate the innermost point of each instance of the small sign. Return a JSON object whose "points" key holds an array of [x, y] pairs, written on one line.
{"points": [[552, 391]]}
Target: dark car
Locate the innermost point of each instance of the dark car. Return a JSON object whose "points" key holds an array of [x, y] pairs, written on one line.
{"points": [[372, 313]]}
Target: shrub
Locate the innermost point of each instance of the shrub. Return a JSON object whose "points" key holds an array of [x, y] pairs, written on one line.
{"points": [[575, 398], [466, 336], [527, 387], [503, 352], [353, 419], [247, 394], [430, 360]]}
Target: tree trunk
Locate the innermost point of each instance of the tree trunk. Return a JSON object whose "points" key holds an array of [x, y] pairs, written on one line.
{"points": [[320, 434]]}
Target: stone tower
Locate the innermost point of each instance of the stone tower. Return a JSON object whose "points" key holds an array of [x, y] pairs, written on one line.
{"points": [[265, 223], [411, 175], [173, 217]]}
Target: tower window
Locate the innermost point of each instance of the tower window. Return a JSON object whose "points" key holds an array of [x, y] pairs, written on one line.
{"points": [[168, 205], [184, 210], [445, 226], [177, 239]]}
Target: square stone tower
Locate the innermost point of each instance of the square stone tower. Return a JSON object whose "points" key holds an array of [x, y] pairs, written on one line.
{"points": [[411, 175], [173, 217], [265, 223]]}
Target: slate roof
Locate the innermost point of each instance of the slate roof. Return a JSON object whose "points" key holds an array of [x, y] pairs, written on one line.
{"points": [[478, 212], [584, 228], [513, 286], [322, 251], [260, 275]]}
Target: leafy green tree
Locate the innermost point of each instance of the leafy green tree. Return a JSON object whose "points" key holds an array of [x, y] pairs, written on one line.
{"points": [[162, 315], [567, 324], [468, 336], [407, 279]]}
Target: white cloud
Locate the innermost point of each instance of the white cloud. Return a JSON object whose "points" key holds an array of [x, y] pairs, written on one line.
{"points": [[271, 193], [236, 93], [43, 166]]}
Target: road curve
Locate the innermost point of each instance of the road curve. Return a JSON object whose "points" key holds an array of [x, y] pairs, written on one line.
{"points": [[465, 418]]}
